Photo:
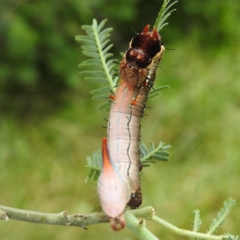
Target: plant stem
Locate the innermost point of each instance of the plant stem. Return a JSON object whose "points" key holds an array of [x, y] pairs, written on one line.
{"points": [[63, 218], [185, 232], [82, 220], [138, 227]]}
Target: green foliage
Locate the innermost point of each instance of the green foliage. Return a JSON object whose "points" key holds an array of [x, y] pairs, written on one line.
{"points": [[99, 67], [96, 46], [197, 222], [95, 165], [158, 153], [164, 13], [155, 91], [216, 223], [194, 235], [33, 77], [219, 220], [230, 237]]}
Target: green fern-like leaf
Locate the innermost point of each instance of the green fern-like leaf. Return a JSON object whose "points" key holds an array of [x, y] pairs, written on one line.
{"points": [[95, 165], [96, 46], [196, 223], [164, 13], [154, 92], [158, 153], [229, 237], [222, 214], [105, 105]]}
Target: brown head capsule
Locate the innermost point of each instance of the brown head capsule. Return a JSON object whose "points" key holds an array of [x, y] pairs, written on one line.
{"points": [[137, 60]]}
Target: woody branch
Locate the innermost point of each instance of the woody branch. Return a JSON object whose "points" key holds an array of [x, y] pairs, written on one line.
{"points": [[63, 218]]}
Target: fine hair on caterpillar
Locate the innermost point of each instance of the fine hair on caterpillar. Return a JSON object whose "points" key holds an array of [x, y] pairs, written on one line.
{"points": [[119, 180]]}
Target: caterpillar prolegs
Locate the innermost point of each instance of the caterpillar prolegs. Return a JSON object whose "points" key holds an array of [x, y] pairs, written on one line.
{"points": [[119, 182]]}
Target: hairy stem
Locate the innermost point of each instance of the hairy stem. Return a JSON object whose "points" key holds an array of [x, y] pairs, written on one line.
{"points": [[184, 232]]}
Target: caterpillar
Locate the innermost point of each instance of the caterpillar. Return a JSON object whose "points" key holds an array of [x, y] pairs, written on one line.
{"points": [[119, 182]]}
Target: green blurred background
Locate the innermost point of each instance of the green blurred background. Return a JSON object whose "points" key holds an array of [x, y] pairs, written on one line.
{"points": [[49, 124]]}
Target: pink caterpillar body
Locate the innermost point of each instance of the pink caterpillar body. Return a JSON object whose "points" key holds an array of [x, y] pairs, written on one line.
{"points": [[113, 189], [119, 182]]}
